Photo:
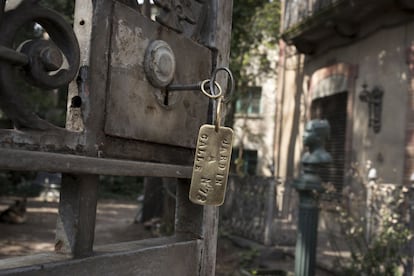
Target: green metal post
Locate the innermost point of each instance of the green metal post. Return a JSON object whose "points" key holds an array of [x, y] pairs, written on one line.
{"points": [[309, 187]]}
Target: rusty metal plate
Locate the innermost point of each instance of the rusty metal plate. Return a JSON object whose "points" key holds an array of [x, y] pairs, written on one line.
{"points": [[137, 110]]}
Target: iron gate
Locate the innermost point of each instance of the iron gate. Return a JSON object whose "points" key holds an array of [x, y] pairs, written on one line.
{"points": [[121, 120]]}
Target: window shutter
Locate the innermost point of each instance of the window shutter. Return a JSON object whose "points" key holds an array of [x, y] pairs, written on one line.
{"points": [[334, 109]]}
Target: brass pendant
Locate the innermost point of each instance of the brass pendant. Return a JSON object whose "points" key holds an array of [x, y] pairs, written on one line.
{"points": [[211, 165]]}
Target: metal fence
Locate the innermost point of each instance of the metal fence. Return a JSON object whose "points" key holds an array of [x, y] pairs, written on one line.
{"points": [[249, 208]]}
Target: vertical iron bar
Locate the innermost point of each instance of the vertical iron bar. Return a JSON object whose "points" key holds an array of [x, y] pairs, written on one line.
{"points": [[12, 56], [305, 254], [2, 7], [269, 212], [147, 8]]}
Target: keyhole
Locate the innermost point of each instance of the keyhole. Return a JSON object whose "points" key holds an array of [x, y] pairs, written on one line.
{"points": [[166, 97]]}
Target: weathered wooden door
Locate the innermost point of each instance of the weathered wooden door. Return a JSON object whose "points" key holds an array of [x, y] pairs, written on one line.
{"points": [[121, 120]]}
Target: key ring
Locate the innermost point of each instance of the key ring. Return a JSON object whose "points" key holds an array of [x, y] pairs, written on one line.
{"points": [[213, 84], [230, 88], [217, 120], [211, 95]]}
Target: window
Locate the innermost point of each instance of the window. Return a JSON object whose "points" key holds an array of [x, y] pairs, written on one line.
{"points": [[333, 109], [248, 163], [249, 101]]}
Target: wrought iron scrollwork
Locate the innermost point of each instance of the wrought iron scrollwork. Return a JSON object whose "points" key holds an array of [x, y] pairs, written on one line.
{"points": [[174, 12], [38, 61]]}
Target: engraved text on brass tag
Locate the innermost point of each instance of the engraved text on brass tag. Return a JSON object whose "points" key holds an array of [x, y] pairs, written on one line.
{"points": [[211, 165]]}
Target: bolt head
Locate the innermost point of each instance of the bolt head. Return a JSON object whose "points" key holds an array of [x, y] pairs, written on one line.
{"points": [[51, 58]]}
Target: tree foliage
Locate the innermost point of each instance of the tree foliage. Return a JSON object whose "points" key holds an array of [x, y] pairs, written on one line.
{"points": [[255, 23], [373, 225], [255, 33], [64, 7]]}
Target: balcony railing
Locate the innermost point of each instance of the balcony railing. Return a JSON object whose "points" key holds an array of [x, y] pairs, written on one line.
{"points": [[317, 25], [297, 11]]}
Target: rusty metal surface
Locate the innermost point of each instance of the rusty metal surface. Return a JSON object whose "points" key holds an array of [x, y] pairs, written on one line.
{"points": [[137, 110], [176, 14]]}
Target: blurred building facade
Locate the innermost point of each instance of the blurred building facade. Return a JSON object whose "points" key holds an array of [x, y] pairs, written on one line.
{"points": [[254, 117], [350, 62]]}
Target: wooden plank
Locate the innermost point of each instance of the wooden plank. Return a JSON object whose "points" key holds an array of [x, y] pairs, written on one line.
{"points": [[220, 41], [138, 245], [36, 259], [82, 26], [91, 24], [208, 260], [119, 148], [75, 229], [58, 140], [67, 163], [167, 256], [65, 141], [188, 216]]}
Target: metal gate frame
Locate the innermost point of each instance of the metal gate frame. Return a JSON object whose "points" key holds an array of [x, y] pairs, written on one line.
{"points": [[78, 153]]}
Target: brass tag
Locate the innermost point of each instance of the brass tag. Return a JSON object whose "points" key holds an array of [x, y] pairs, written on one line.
{"points": [[211, 165]]}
